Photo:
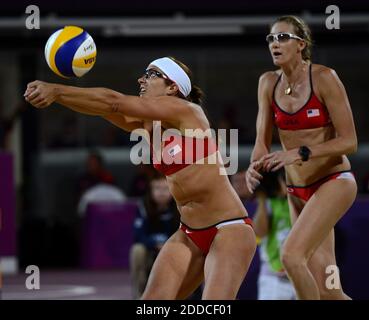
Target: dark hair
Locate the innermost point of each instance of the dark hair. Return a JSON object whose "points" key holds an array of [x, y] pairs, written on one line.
{"points": [[302, 30], [196, 95], [270, 185]]}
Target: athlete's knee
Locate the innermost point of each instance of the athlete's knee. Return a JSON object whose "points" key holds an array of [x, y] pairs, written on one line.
{"points": [[292, 259]]}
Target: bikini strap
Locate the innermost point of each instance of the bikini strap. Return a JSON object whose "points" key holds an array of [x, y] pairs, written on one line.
{"points": [[275, 86], [311, 78]]}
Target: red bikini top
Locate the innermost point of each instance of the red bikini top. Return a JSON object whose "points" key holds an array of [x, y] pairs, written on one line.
{"points": [[313, 114], [181, 151]]}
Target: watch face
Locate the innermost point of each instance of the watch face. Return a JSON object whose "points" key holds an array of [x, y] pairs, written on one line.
{"points": [[304, 153]]}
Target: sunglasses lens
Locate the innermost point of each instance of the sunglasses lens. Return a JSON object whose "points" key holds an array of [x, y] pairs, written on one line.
{"points": [[151, 73], [269, 38], [283, 37]]}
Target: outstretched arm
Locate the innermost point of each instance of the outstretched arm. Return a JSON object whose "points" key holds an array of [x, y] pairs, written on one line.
{"points": [[42, 94], [106, 102], [87, 101]]}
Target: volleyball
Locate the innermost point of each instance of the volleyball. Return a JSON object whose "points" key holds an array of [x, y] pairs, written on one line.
{"points": [[70, 52]]}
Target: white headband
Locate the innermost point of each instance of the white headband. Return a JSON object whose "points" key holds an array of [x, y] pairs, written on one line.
{"points": [[174, 73]]}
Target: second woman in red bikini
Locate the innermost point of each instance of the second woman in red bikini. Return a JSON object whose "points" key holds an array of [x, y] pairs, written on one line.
{"points": [[308, 104]]}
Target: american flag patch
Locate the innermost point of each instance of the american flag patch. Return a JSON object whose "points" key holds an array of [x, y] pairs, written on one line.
{"points": [[313, 113], [173, 151]]}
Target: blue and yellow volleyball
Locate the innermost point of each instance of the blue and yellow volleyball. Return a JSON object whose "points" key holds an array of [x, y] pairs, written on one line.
{"points": [[70, 52]]}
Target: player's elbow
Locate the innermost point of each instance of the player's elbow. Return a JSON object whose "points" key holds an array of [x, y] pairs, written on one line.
{"points": [[351, 145]]}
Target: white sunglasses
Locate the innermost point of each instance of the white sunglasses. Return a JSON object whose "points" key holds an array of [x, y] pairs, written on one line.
{"points": [[281, 37]]}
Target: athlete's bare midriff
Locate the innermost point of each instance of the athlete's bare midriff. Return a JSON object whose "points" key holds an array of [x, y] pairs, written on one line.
{"points": [[315, 168], [204, 196]]}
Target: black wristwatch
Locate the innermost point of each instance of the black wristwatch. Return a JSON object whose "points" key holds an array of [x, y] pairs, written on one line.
{"points": [[304, 152]]}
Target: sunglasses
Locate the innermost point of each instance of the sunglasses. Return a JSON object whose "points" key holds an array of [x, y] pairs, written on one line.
{"points": [[281, 37], [152, 74]]}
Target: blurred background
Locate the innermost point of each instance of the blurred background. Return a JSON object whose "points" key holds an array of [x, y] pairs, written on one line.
{"points": [[50, 158]]}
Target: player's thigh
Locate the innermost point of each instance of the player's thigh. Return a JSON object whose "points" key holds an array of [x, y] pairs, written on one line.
{"points": [[319, 215], [177, 264], [228, 260]]}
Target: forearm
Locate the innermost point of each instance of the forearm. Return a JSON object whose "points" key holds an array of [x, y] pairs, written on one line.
{"points": [[263, 139], [335, 147], [91, 101], [259, 151]]}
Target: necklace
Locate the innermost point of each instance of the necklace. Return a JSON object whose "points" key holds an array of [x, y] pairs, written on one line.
{"points": [[289, 88]]}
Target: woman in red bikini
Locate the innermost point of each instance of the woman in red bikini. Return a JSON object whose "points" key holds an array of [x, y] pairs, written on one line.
{"points": [[215, 241], [308, 104]]}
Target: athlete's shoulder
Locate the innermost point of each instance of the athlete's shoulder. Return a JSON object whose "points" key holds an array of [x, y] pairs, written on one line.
{"points": [[270, 76], [188, 110], [326, 80], [175, 103], [268, 80], [323, 73]]}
